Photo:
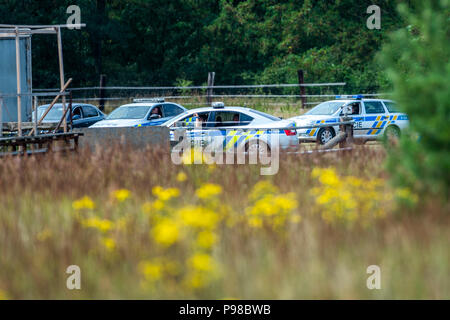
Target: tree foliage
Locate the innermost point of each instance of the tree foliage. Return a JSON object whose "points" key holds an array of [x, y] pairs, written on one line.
{"points": [[417, 59], [156, 42]]}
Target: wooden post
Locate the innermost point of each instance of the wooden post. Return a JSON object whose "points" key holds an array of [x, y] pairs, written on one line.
{"points": [[19, 90], [302, 88], [35, 110], [210, 91], [61, 73], [70, 110], [101, 105]]}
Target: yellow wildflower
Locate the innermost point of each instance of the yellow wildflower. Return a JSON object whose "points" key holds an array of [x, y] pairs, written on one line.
{"points": [[83, 203], [202, 262], [181, 176], [151, 271], [255, 222], [121, 195], [165, 194], [96, 223], [196, 280], [166, 232], [208, 190], [261, 189], [206, 239], [199, 217], [109, 243]]}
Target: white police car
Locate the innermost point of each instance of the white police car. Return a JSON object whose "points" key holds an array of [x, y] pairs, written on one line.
{"points": [[143, 112], [234, 126], [372, 118]]}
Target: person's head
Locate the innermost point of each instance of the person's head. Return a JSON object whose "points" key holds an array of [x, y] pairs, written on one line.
{"points": [[235, 117], [156, 110], [355, 108]]}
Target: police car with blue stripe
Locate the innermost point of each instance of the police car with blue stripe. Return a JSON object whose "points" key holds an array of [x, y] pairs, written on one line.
{"points": [[234, 127], [372, 119], [141, 113]]}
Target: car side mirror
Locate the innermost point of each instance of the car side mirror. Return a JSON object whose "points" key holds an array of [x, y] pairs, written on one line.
{"points": [[154, 117], [76, 117]]}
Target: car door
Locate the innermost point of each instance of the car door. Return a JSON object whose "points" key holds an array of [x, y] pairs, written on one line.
{"points": [[375, 118]]}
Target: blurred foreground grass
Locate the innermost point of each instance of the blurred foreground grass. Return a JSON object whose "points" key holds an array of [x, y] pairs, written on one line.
{"points": [[140, 227]]}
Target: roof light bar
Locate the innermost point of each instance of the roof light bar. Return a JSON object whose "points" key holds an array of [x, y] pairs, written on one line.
{"points": [[218, 105], [149, 100], [355, 96]]}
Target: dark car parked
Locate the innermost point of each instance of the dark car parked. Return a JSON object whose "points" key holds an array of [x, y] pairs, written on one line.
{"points": [[83, 115]]}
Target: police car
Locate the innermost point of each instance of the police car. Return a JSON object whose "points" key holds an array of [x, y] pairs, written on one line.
{"points": [[372, 118], [233, 127], [143, 112]]}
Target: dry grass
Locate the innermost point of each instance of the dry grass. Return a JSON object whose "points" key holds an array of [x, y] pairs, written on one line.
{"points": [[42, 232]]}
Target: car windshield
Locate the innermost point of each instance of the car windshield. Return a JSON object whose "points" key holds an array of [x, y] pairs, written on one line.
{"points": [[325, 108], [54, 114], [128, 112], [265, 115]]}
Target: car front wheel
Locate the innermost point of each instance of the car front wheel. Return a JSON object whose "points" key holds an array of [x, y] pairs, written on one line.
{"points": [[325, 135]]}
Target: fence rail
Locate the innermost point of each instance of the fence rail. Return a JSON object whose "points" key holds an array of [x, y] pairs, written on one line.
{"points": [[281, 85]]}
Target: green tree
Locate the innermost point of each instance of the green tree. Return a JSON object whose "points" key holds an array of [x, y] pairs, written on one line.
{"points": [[417, 60]]}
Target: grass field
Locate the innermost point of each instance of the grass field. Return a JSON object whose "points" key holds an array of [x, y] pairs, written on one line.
{"points": [[139, 226]]}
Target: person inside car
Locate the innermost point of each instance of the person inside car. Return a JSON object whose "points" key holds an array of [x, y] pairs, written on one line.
{"points": [[355, 108], [157, 111], [218, 121], [236, 119]]}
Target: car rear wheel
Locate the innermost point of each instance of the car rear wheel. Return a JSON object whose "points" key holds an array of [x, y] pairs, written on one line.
{"points": [[392, 134], [325, 135]]}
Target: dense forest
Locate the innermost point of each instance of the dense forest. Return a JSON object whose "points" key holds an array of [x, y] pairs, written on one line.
{"points": [[161, 42]]}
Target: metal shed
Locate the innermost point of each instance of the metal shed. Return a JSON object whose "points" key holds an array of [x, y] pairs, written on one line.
{"points": [[8, 79]]}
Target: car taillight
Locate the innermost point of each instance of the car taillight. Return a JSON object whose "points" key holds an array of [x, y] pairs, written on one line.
{"points": [[290, 132]]}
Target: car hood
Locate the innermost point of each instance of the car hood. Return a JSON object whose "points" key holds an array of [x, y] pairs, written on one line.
{"points": [[117, 123]]}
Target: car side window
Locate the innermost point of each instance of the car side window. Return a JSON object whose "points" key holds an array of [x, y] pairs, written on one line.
{"points": [[89, 112], [355, 108], [374, 107], [171, 110], [391, 106], [245, 119], [231, 118], [77, 112]]}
